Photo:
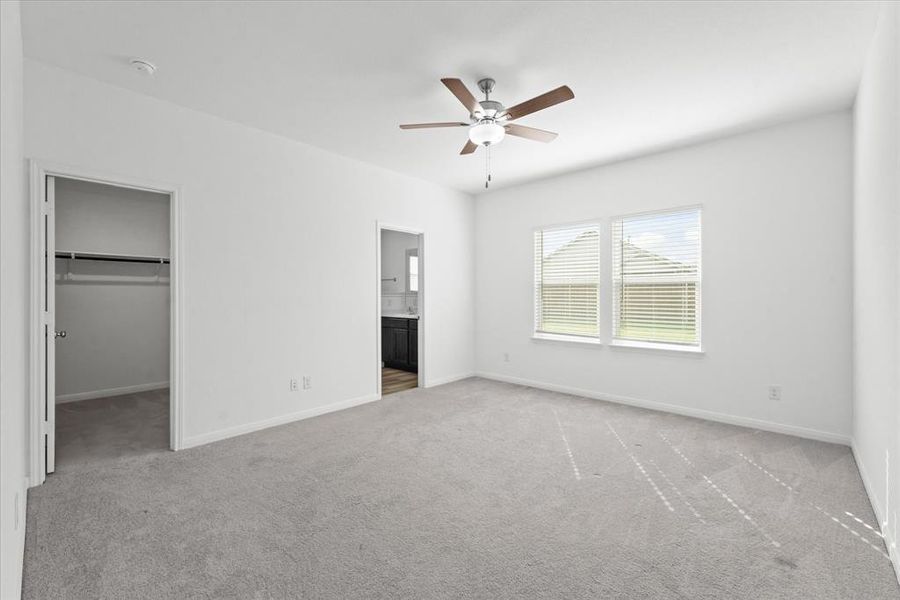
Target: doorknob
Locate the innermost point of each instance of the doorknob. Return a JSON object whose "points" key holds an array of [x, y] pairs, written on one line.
{"points": [[61, 333]]}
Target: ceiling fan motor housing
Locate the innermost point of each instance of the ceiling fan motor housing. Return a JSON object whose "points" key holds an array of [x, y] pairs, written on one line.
{"points": [[489, 109]]}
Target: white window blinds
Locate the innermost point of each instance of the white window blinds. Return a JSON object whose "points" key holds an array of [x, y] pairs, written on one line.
{"points": [[656, 277], [566, 280]]}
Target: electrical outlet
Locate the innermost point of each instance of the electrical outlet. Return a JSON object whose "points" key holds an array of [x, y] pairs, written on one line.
{"points": [[506, 357], [295, 385], [307, 382], [775, 393]]}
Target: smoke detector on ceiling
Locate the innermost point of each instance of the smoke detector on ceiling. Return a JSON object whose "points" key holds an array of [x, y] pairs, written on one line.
{"points": [[143, 66]]}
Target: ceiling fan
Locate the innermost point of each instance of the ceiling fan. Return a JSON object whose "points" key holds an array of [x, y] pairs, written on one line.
{"points": [[490, 121]]}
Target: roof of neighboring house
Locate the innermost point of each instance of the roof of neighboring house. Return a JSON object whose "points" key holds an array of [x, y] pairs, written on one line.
{"points": [[558, 265]]}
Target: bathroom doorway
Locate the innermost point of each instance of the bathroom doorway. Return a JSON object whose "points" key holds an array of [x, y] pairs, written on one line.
{"points": [[400, 315]]}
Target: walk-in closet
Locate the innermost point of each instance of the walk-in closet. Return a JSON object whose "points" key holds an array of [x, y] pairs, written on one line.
{"points": [[111, 321]]}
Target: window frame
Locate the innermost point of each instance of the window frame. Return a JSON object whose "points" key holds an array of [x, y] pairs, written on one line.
{"points": [[696, 348], [536, 333], [410, 253]]}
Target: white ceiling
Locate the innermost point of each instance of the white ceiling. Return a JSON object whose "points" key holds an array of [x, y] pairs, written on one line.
{"points": [[646, 75]]}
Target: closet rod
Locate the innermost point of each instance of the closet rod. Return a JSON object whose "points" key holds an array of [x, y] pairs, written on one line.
{"points": [[157, 260]]}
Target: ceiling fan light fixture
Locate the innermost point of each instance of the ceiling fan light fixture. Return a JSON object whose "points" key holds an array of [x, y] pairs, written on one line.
{"points": [[491, 121], [486, 133]]}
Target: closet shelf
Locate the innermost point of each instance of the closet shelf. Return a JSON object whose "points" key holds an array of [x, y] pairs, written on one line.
{"points": [[129, 258]]}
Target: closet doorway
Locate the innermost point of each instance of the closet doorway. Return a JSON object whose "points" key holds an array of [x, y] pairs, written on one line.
{"points": [[401, 324], [105, 338]]}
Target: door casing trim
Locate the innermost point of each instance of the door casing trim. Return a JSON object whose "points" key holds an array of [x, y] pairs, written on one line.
{"points": [[39, 170], [423, 278]]}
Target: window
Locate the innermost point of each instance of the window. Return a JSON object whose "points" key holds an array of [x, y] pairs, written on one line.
{"points": [[566, 280], [412, 270], [656, 277]]}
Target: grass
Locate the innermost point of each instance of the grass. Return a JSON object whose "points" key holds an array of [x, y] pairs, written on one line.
{"points": [[674, 335]]}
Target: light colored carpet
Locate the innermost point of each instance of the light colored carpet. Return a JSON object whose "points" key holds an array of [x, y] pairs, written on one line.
{"points": [[475, 489], [90, 432]]}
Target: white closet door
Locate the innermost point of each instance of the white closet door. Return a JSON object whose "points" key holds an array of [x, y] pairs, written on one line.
{"points": [[48, 356]]}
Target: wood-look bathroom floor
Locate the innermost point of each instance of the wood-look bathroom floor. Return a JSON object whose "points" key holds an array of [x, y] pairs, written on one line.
{"points": [[395, 380]]}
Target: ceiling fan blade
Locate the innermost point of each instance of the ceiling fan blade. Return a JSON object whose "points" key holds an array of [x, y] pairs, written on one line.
{"points": [[430, 125], [469, 148], [531, 133], [462, 93], [560, 94]]}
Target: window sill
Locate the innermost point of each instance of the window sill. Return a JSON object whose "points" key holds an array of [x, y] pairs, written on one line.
{"points": [[657, 347], [570, 339]]}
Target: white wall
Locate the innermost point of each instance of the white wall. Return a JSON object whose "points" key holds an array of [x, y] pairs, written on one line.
{"points": [[876, 246], [776, 279], [394, 297], [116, 314], [14, 314], [279, 250], [92, 217]]}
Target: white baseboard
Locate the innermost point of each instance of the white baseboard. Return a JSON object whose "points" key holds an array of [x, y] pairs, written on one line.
{"points": [[804, 432], [223, 434], [443, 380], [119, 391], [879, 511], [230, 432]]}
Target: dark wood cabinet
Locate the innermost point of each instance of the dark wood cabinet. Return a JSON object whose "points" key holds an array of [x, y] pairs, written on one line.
{"points": [[388, 354], [399, 346], [413, 350], [400, 343]]}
